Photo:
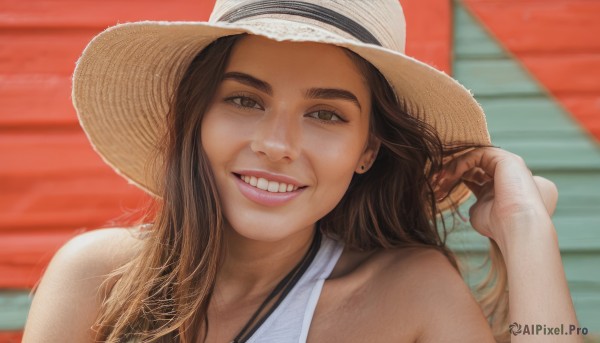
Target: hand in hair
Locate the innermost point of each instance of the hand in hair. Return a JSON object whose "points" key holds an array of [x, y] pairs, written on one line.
{"points": [[513, 208], [507, 193]]}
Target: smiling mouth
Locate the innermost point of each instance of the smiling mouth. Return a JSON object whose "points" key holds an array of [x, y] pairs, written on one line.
{"points": [[268, 185]]}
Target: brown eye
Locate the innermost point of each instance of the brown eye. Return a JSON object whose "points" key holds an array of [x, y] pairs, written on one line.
{"points": [[247, 102], [325, 116], [244, 102]]}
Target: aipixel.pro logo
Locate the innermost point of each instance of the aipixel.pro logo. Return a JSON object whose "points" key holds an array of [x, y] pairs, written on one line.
{"points": [[543, 329]]}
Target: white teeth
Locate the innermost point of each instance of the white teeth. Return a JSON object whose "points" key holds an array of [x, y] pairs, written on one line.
{"points": [[270, 186], [273, 186], [262, 184], [282, 187]]}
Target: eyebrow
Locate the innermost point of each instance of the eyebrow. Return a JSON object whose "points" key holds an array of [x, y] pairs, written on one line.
{"points": [[249, 81], [333, 94], [312, 93]]}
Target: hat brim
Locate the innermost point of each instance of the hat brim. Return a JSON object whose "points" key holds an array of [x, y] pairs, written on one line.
{"points": [[126, 76]]}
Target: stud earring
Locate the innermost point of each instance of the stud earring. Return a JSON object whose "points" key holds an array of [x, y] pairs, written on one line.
{"points": [[362, 167]]}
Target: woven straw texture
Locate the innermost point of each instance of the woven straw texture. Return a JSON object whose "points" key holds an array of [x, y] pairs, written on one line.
{"points": [[127, 75]]}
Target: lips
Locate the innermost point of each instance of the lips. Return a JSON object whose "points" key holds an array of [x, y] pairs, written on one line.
{"points": [[268, 185], [268, 189]]}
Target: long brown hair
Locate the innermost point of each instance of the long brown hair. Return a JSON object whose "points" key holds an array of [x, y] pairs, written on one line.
{"points": [[163, 294]]}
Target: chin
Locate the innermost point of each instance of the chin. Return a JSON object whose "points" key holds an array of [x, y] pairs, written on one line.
{"points": [[267, 228]]}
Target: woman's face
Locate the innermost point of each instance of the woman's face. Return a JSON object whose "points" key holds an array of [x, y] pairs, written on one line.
{"points": [[285, 132]]}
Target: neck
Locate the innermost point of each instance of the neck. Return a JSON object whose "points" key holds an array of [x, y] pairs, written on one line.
{"points": [[253, 268]]}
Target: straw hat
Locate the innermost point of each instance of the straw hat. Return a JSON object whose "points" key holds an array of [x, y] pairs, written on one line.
{"points": [[124, 79]]}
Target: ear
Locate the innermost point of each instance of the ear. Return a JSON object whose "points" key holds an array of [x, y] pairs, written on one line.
{"points": [[368, 156]]}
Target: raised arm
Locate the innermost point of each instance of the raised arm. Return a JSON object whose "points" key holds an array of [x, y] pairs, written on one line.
{"points": [[514, 209]]}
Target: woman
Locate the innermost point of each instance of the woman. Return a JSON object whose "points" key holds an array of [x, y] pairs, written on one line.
{"points": [[299, 161]]}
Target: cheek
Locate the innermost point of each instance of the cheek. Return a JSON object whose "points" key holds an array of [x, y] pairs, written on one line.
{"points": [[220, 136], [335, 158], [210, 132], [207, 140]]}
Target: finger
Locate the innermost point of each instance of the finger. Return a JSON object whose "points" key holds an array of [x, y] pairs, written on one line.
{"points": [[485, 158], [548, 192], [475, 220], [475, 188], [463, 167], [514, 170], [476, 175]]}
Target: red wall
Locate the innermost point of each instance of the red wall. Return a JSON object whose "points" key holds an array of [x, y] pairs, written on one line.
{"points": [[558, 41], [52, 184]]}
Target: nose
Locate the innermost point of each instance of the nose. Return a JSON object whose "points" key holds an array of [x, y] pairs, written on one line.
{"points": [[277, 137]]}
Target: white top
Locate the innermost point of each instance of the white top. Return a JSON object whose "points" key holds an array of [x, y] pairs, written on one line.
{"points": [[290, 322]]}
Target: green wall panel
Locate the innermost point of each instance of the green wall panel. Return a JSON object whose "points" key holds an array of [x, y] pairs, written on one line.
{"points": [[549, 153], [577, 266], [495, 77], [524, 119], [470, 41], [533, 115], [14, 306]]}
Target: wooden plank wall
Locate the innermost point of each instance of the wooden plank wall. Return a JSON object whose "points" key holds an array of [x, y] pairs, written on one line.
{"points": [[526, 116], [557, 41], [52, 185]]}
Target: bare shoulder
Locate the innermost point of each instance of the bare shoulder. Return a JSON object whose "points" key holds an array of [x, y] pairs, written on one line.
{"points": [[96, 253], [67, 299], [104, 249], [416, 275], [422, 287], [405, 266]]}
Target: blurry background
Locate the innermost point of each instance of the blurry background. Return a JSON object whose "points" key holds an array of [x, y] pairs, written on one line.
{"points": [[534, 65]]}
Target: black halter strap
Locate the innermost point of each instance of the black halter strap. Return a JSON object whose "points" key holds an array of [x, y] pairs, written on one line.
{"points": [[302, 9], [280, 292]]}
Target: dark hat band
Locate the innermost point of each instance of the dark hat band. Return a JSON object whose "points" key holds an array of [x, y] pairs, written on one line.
{"points": [[303, 9]]}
